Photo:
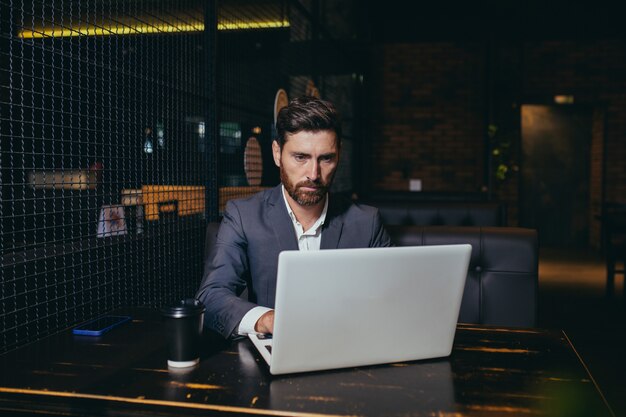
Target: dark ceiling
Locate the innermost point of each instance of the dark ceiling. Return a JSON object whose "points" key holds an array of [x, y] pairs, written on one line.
{"points": [[398, 21]]}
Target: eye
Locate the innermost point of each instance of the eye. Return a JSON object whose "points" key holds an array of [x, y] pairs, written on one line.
{"points": [[299, 157], [327, 158]]}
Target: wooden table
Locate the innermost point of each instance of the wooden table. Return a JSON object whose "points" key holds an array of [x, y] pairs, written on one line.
{"points": [[491, 372]]}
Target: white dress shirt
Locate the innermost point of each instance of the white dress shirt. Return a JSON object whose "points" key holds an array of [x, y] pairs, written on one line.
{"points": [[307, 240]]}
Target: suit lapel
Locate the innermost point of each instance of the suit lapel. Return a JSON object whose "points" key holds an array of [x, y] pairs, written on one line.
{"points": [[333, 225], [280, 221]]}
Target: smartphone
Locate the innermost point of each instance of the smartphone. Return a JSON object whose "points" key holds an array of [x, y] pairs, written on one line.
{"points": [[99, 326]]}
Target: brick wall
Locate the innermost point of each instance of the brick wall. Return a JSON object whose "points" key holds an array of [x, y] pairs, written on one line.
{"points": [[428, 110], [427, 116]]}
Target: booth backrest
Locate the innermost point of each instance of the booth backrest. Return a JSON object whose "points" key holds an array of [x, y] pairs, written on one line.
{"points": [[443, 213], [501, 286]]}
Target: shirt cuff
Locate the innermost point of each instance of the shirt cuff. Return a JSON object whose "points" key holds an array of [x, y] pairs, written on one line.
{"points": [[247, 323]]}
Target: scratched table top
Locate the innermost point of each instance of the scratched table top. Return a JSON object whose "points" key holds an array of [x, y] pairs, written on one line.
{"points": [[491, 372]]}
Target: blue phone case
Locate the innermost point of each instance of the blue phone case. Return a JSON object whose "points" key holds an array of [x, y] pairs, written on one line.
{"points": [[99, 326]]}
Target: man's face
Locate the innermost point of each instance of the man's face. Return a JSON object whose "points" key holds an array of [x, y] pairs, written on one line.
{"points": [[307, 162]]}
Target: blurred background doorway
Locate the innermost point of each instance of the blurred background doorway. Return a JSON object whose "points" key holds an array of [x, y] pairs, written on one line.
{"points": [[556, 142]]}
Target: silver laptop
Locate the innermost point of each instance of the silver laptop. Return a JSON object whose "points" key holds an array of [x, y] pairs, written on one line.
{"points": [[353, 307]]}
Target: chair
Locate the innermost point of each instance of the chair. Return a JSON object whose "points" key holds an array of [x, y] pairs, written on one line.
{"points": [[614, 232]]}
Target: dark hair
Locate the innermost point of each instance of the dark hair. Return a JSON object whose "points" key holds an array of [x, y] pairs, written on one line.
{"points": [[307, 114]]}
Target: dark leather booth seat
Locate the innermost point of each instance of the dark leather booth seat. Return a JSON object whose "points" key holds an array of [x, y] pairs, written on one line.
{"points": [[440, 213], [501, 286]]}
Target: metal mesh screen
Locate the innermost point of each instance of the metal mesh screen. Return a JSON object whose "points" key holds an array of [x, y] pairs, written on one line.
{"points": [[125, 126], [104, 159]]}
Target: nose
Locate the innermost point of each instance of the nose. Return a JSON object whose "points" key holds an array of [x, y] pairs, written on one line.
{"points": [[314, 170]]}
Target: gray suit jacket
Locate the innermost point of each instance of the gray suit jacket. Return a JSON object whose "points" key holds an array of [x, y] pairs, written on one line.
{"points": [[252, 234]]}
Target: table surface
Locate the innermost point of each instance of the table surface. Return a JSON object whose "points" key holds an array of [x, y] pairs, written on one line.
{"points": [[491, 372]]}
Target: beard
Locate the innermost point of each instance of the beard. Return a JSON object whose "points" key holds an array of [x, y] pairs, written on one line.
{"points": [[302, 197]]}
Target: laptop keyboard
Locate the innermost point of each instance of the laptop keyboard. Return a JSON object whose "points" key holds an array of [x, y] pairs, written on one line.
{"points": [[268, 338]]}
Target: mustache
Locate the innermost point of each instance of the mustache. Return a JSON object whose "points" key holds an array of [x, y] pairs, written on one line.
{"points": [[311, 183]]}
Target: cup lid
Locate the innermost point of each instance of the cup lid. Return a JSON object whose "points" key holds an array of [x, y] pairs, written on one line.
{"points": [[184, 308]]}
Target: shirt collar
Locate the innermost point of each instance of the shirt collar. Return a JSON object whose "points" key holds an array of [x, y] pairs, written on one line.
{"points": [[320, 220]]}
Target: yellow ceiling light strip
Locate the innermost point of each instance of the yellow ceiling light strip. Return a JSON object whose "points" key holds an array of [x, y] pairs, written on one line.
{"points": [[146, 29], [103, 31], [270, 24]]}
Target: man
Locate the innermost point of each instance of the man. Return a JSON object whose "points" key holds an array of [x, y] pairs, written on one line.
{"points": [[297, 214]]}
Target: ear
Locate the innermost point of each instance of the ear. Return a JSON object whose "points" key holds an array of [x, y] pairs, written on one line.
{"points": [[276, 152]]}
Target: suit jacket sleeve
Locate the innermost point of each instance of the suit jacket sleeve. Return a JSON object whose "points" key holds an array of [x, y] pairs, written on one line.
{"points": [[226, 274]]}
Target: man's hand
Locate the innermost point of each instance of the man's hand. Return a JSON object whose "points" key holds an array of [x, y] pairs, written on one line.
{"points": [[265, 323]]}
